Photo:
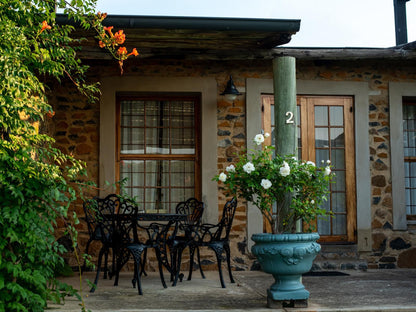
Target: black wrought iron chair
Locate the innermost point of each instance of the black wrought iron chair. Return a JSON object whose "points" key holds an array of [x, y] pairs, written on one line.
{"points": [[127, 243], [105, 225], [186, 234], [93, 209], [216, 237]]}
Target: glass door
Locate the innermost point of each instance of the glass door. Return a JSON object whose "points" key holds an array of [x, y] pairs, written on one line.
{"points": [[326, 133]]}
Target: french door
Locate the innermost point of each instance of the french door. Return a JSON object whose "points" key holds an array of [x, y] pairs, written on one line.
{"points": [[326, 132]]}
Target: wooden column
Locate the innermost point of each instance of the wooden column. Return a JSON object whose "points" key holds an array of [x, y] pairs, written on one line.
{"points": [[284, 74]]}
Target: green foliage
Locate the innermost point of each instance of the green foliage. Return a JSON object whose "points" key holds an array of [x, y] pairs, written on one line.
{"points": [[265, 178], [35, 177]]}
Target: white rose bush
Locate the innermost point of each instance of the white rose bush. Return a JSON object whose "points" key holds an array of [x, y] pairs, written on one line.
{"points": [[262, 177]]}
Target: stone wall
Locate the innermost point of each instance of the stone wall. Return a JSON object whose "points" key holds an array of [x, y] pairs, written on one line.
{"points": [[76, 129]]}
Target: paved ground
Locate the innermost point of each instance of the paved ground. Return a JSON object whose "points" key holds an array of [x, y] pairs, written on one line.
{"points": [[374, 290]]}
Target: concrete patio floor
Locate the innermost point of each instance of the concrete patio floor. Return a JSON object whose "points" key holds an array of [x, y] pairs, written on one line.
{"points": [[373, 290]]}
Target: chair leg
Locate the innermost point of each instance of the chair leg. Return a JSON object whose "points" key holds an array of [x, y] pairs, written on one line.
{"points": [[113, 265], [105, 264], [100, 257], [228, 254], [218, 252], [143, 263], [191, 261], [199, 262], [162, 278], [178, 261], [173, 260], [137, 251]]}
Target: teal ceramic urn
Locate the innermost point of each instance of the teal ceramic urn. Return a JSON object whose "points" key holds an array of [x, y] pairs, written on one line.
{"points": [[286, 257]]}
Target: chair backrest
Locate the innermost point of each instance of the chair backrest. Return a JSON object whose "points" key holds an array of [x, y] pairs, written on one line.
{"points": [[193, 208], [90, 207], [126, 225], [226, 222], [99, 214]]}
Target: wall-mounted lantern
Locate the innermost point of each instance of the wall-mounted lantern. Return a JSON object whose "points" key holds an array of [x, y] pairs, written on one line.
{"points": [[230, 92]]}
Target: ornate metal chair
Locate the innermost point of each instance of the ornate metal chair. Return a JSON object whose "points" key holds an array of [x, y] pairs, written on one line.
{"points": [[186, 234], [93, 210], [127, 243], [216, 237], [105, 224]]}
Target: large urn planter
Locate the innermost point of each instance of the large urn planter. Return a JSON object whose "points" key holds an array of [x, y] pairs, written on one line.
{"points": [[286, 257]]}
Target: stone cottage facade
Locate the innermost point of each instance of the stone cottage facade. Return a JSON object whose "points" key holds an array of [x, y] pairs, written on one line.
{"points": [[375, 83]]}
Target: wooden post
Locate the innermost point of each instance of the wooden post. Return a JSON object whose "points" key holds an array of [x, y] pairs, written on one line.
{"points": [[284, 73]]}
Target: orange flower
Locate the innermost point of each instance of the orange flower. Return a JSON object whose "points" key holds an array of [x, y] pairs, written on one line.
{"points": [[109, 30], [101, 44], [119, 37], [50, 114], [122, 51], [45, 26], [101, 16], [134, 52]]}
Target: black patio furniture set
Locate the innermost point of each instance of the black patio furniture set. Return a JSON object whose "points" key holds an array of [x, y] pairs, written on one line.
{"points": [[126, 232]]}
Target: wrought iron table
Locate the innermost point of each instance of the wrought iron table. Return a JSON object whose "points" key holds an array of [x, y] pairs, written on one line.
{"points": [[121, 232], [159, 228]]}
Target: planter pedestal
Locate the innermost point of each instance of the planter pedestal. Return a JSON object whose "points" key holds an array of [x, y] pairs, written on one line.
{"points": [[286, 257]]}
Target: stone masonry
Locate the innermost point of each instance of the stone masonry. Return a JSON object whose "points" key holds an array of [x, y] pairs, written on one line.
{"points": [[76, 130]]}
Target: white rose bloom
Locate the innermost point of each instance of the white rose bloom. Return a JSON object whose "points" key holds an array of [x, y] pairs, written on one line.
{"points": [[266, 183], [285, 169], [230, 168], [258, 139], [328, 161], [222, 177], [327, 170], [310, 163], [249, 167], [266, 135], [312, 202]]}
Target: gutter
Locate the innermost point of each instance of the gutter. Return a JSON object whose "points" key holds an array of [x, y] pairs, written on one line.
{"points": [[201, 23]]}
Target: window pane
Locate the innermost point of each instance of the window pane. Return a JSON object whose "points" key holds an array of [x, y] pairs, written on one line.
{"points": [[337, 137], [321, 155], [324, 226], [183, 141], [157, 141], [321, 137], [338, 158], [338, 202], [336, 116], [339, 224], [157, 114], [339, 181], [321, 116], [409, 130]]}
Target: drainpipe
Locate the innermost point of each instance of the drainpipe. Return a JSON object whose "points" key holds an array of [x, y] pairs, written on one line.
{"points": [[400, 21]]}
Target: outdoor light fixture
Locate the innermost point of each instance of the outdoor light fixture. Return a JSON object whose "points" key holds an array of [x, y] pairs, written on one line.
{"points": [[230, 92]]}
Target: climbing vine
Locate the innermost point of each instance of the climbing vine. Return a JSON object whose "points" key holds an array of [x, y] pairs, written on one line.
{"points": [[36, 179]]}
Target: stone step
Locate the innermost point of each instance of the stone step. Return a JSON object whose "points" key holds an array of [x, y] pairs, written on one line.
{"points": [[339, 257], [342, 264]]}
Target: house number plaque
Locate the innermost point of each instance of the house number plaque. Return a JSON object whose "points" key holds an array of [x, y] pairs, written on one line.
{"points": [[289, 119]]}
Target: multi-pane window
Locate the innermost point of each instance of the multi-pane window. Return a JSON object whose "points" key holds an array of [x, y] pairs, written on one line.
{"points": [[158, 149], [409, 143]]}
